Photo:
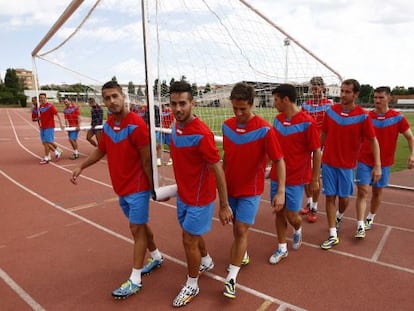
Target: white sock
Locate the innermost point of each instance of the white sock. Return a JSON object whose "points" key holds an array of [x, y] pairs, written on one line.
{"points": [[76, 151], [333, 232], [360, 224], [206, 260], [299, 230], [282, 247], [192, 282], [136, 276], [314, 206], [371, 216], [233, 271], [310, 200], [339, 215], [156, 254]]}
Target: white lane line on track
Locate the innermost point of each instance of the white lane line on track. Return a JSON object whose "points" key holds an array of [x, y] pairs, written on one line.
{"points": [[36, 235], [20, 291], [119, 236]]}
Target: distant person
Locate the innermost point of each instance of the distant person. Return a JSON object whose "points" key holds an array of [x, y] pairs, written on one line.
{"points": [[158, 138], [343, 130], [96, 120], [388, 123], [249, 142], [299, 138], [316, 107], [47, 128], [35, 110], [198, 171], [167, 121], [72, 119], [125, 142]]}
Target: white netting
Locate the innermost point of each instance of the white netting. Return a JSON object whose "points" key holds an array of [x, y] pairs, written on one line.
{"points": [[212, 44]]}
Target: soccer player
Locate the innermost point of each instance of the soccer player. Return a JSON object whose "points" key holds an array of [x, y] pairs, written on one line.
{"points": [[125, 142], [198, 171], [316, 107], [72, 119], [345, 126], [248, 143], [299, 138], [47, 128], [96, 119], [388, 123], [167, 120]]}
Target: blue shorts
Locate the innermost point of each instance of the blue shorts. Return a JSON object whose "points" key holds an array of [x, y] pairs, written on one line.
{"points": [[166, 138], [136, 207], [195, 220], [158, 137], [337, 181], [73, 135], [363, 175], [47, 135], [293, 196], [245, 208]]}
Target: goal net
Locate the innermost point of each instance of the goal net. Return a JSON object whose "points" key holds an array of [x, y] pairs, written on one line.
{"points": [[146, 45]]}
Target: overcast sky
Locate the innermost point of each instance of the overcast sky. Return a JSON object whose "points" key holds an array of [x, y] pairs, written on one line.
{"points": [[369, 40]]}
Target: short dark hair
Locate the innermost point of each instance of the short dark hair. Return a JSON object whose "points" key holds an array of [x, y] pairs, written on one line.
{"points": [[288, 90], [243, 91], [182, 87], [385, 89], [317, 81], [112, 85], [355, 84]]}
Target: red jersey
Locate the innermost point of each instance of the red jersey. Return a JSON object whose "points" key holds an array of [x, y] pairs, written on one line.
{"points": [[47, 115], [387, 127], [71, 114], [344, 134], [246, 151], [298, 137], [317, 110], [167, 118], [192, 150], [121, 143]]}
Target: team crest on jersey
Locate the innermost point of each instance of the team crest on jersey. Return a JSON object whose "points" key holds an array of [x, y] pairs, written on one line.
{"points": [[179, 131], [240, 130]]}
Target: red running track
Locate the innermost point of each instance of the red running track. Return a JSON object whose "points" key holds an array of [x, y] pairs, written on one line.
{"points": [[66, 247]]}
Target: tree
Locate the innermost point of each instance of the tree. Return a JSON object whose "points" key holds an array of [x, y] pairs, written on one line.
{"points": [[172, 81], [164, 89], [11, 80], [114, 79], [131, 87], [194, 89], [365, 95], [207, 88], [139, 91]]}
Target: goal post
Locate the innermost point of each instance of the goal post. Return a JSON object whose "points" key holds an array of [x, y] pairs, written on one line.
{"points": [[211, 44]]}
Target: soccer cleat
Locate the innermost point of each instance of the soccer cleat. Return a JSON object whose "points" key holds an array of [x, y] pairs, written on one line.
{"points": [[305, 210], [204, 268], [58, 153], [297, 240], [277, 256], [338, 222], [330, 242], [74, 156], [245, 260], [312, 216], [230, 289], [152, 265], [44, 161], [169, 162], [368, 224], [360, 233], [127, 289], [185, 296]]}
